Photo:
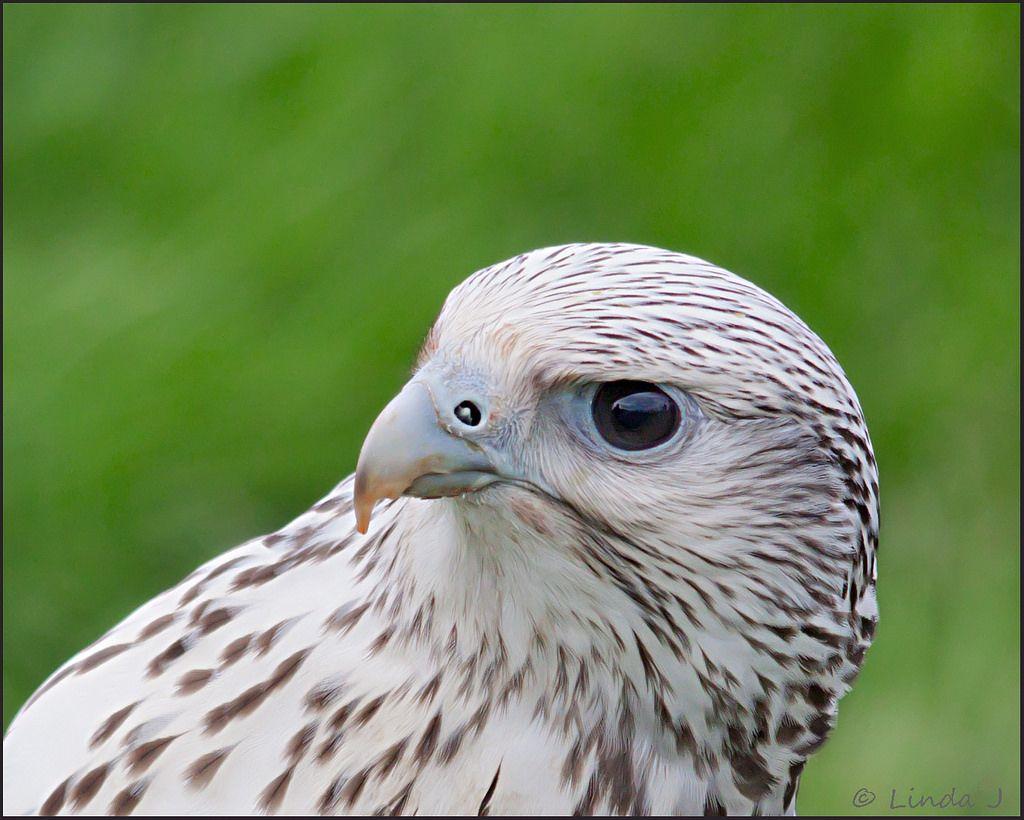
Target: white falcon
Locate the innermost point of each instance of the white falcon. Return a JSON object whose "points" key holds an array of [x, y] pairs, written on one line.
{"points": [[611, 550]]}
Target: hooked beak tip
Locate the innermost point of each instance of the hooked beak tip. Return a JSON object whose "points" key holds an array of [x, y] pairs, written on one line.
{"points": [[365, 498], [370, 488], [364, 511]]}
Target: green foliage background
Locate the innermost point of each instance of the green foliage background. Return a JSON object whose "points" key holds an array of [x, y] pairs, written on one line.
{"points": [[227, 228]]}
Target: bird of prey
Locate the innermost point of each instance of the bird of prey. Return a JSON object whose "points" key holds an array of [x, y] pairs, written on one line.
{"points": [[611, 550]]}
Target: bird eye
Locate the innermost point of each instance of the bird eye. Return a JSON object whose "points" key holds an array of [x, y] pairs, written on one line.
{"points": [[468, 413], [634, 415]]}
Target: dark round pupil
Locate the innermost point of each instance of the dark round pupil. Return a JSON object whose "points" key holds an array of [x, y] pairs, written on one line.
{"points": [[468, 413], [634, 415]]}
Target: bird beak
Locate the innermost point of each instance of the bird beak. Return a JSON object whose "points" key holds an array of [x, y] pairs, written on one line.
{"points": [[410, 450]]}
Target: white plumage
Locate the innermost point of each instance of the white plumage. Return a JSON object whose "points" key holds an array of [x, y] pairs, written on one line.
{"points": [[543, 621]]}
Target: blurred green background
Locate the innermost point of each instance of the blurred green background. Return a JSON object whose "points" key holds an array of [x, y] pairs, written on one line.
{"points": [[227, 229]]}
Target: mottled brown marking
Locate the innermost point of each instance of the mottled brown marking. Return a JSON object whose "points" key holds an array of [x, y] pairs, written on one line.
{"points": [[329, 746], [174, 651], [127, 799], [655, 680], [271, 797], [329, 799], [142, 757], [289, 666], [100, 657], [751, 775], [268, 638], [390, 757], [215, 619], [193, 681], [451, 746], [198, 611], [234, 650], [788, 731], [301, 741], [767, 686], [201, 772], [111, 725], [345, 617], [785, 633], [429, 689], [364, 715], [686, 743], [572, 766], [55, 801], [341, 716], [219, 717], [354, 787], [381, 640], [817, 696], [428, 742], [191, 594], [158, 625], [247, 702], [254, 577], [86, 788], [322, 695], [624, 791], [821, 635]]}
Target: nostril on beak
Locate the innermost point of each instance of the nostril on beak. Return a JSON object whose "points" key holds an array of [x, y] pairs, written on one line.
{"points": [[468, 413]]}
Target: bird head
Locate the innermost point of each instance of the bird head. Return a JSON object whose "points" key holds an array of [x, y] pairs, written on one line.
{"points": [[678, 412]]}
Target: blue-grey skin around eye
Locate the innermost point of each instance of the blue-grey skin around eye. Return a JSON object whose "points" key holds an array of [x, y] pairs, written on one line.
{"points": [[575, 406]]}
